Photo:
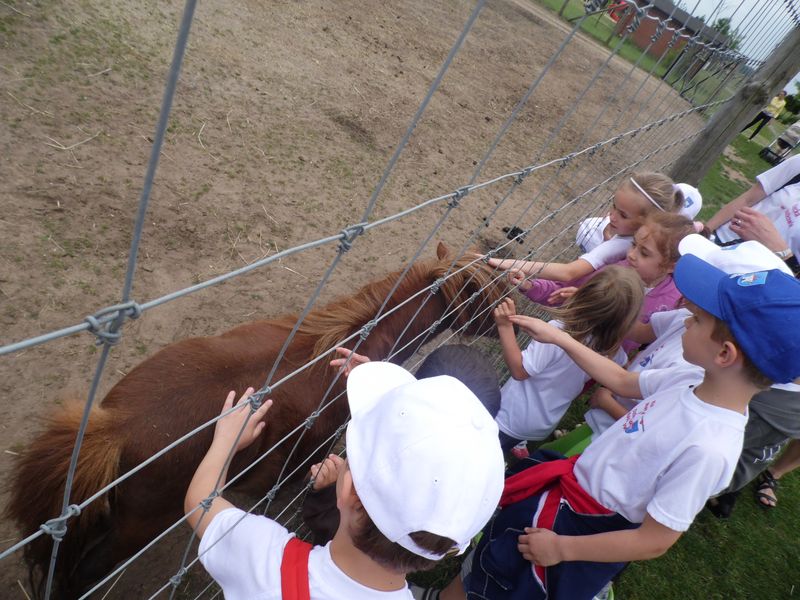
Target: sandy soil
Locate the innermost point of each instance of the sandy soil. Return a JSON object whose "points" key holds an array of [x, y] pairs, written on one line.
{"points": [[285, 116]]}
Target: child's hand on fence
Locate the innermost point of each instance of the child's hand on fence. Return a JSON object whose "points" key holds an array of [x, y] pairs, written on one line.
{"points": [[503, 311], [536, 328], [540, 546], [348, 366], [517, 278], [326, 472], [560, 296], [229, 426]]}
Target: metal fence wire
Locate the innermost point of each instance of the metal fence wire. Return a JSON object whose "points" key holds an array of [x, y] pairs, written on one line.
{"points": [[659, 102]]}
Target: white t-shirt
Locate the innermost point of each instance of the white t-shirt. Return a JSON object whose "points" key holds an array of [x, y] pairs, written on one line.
{"points": [[590, 233], [665, 458], [782, 204], [531, 409], [246, 562], [660, 365], [612, 250]]}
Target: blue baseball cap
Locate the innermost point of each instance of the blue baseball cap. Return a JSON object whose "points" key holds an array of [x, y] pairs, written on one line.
{"points": [[761, 309]]}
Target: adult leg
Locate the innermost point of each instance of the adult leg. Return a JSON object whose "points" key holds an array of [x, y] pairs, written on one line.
{"points": [[765, 118], [786, 462], [755, 120]]}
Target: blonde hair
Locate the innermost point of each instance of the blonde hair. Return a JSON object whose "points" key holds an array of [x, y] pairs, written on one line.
{"points": [[667, 230], [663, 195], [603, 309]]}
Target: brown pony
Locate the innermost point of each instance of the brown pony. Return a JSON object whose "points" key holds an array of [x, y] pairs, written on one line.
{"points": [[184, 385]]}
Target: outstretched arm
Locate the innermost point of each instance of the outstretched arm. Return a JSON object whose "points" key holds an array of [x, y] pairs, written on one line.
{"points": [[508, 341], [212, 470], [546, 548], [603, 370], [752, 196], [545, 270]]}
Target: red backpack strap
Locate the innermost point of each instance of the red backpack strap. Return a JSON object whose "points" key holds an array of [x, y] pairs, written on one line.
{"points": [[294, 570]]}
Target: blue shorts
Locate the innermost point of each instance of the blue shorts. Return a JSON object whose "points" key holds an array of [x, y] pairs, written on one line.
{"points": [[500, 572]]}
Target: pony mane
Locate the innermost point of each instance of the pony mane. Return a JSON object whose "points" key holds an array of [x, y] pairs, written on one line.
{"points": [[325, 327]]}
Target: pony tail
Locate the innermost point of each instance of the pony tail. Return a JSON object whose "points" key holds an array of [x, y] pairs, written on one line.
{"points": [[38, 484]]}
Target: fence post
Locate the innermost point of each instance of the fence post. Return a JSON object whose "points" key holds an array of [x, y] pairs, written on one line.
{"points": [[727, 122]]}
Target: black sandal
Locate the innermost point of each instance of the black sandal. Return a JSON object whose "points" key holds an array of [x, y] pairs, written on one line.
{"points": [[766, 481]]}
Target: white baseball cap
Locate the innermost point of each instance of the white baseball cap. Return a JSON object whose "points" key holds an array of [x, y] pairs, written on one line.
{"points": [[692, 200], [424, 455], [746, 257]]}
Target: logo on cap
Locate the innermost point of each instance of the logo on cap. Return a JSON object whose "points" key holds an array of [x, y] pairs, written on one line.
{"points": [[759, 278]]}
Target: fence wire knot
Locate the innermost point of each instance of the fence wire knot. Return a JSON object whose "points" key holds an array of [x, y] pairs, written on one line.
{"points": [[436, 285], [272, 493], [566, 160], [349, 235], [522, 175], [176, 579], [255, 400], [367, 328], [455, 201], [311, 419], [57, 528], [205, 503], [636, 19], [435, 325], [106, 330]]}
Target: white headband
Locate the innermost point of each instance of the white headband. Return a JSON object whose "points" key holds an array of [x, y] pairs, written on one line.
{"points": [[648, 196]]}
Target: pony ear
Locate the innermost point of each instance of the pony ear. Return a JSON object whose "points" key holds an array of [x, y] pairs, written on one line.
{"points": [[442, 251]]}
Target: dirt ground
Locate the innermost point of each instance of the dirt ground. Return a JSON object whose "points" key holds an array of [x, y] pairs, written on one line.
{"points": [[285, 116]]}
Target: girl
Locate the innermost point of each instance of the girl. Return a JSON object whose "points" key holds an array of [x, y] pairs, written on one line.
{"points": [[544, 379], [653, 254], [637, 197], [595, 230]]}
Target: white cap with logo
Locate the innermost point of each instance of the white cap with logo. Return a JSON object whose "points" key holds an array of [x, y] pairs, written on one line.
{"points": [[745, 257], [424, 455], [692, 200]]}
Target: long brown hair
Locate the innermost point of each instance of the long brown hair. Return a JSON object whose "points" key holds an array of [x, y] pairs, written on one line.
{"points": [[603, 309]]}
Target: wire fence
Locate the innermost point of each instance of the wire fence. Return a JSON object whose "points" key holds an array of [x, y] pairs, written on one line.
{"points": [[618, 117]]}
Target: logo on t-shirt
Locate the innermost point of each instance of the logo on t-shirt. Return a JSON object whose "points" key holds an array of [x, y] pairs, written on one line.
{"points": [[749, 279], [634, 420]]}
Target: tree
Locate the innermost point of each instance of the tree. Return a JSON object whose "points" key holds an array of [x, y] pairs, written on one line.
{"points": [[723, 25], [793, 103]]}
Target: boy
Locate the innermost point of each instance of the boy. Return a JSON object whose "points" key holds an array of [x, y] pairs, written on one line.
{"points": [[424, 472], [465, 363], [637, 488]]}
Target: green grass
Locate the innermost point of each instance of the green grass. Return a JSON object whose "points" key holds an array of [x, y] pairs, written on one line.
{"points": [[601, 28]]}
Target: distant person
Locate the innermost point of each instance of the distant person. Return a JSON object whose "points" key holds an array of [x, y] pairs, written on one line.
{"points": [[771, 111]]}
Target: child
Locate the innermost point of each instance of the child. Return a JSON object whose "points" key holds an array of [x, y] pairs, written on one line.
{"points": [[652, 255], [423, 473], [595, 230], [660, 365], [652, 471], [467, 364], [544, 379], [637, 196]]}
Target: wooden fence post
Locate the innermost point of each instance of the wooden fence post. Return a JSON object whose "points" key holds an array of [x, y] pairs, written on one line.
{"points": [[728, 121]]}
